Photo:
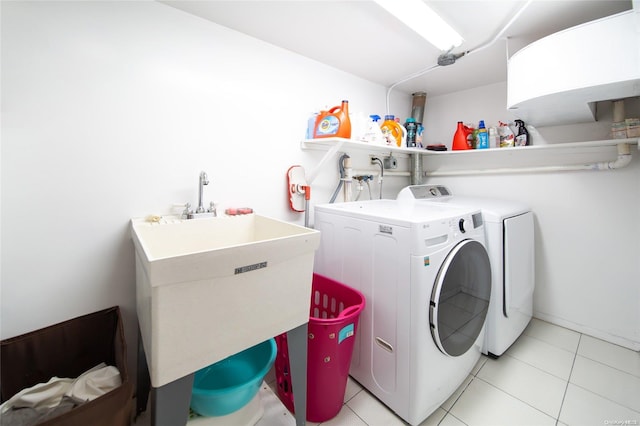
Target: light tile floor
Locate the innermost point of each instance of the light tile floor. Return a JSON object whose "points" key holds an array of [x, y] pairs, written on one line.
{"points": [[550, 376]]}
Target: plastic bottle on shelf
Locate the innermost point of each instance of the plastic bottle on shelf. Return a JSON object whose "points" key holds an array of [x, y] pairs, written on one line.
{"points": [[460, 137], [392, 130], [359, 125], [412, 131], [420, 135], [507, 138], [311, 124], [483, 136], [333, 123], [522, 136], [493, 138], [373, 134]]}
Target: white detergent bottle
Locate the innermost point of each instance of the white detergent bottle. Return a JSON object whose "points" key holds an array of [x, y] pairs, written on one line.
{"points": [[359, 126], [373, 134]]}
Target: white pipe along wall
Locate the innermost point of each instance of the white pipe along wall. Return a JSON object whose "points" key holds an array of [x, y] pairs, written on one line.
{"points": [[623, 160]]}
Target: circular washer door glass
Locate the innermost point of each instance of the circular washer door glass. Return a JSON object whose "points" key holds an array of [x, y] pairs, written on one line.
{"points": [[460, 298]]}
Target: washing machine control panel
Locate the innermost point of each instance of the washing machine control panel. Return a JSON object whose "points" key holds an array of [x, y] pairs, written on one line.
{"points": [[477, 220], [424, 192], [465, 225]]}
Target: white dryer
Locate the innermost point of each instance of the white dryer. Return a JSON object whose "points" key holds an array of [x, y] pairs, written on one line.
{"points": [[510, 241], [426, 275]]}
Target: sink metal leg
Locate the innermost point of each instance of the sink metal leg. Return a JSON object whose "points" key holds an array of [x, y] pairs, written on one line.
{"points": [[143, 380], [170, 403], [297, 342]]}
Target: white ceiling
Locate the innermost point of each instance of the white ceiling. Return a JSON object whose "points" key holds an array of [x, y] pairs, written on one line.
{"points": [[359, 37]]}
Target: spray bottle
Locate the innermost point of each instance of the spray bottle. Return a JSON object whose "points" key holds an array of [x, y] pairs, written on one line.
{"points": [[522, 136], [373, 134]]}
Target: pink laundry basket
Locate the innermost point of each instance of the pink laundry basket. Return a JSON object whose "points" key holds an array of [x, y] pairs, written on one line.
{"points": [[333, 322]]}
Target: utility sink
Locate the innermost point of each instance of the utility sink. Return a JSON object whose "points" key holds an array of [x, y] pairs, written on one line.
{"points": [[209, 288]]}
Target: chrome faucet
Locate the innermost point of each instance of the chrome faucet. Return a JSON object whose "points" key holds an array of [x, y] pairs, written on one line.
{"points": [[204, 180], [200, 211]]}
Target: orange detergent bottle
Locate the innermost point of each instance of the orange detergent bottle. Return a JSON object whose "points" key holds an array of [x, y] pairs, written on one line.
{"points": [[334, 123], [392, 130]]}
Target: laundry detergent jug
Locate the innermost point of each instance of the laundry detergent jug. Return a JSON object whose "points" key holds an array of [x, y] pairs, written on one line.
{"points": [[460, 137], [393, 131], [334, 123]]}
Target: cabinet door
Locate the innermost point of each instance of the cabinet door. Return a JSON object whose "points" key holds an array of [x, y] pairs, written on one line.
{"points": [[519, 268]]}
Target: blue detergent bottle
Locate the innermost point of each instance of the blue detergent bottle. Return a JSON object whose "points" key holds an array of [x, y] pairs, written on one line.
{"points": [[483, 136]]}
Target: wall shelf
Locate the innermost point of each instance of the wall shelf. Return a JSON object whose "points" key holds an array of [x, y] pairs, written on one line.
{"points": [[550, 155], [350, 145]]}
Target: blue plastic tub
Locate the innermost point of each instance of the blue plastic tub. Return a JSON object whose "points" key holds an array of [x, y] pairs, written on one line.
{"points": [[228, 385]]}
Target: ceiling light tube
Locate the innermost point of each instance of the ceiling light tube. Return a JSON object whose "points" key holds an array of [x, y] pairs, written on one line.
{"points": [[416, 15]]}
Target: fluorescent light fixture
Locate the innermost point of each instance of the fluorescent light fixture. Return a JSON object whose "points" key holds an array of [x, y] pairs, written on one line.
{"points": [[416, 15]]}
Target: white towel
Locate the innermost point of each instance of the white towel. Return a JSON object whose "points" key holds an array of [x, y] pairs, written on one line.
{"points": [[94, 383], [88, 386], [40, 396]]}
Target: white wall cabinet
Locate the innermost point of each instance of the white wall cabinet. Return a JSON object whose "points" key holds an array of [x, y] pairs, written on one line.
{"points": [[558, 79]]}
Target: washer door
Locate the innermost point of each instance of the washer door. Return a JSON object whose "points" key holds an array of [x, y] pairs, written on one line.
{"points": [[460, 298]]}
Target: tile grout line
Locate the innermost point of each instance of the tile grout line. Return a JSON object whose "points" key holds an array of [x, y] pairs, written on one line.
{"points": [[346, 405], [566, 388], [473, 376], [354, 413], [516, 398], [579, 340], [554, 345], [459, 396], [605, 398], [537, 367], [604, 365], [448, 413], [608, 365]]}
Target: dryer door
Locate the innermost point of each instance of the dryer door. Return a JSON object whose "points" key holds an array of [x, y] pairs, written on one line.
{"points": [[460, 298]]}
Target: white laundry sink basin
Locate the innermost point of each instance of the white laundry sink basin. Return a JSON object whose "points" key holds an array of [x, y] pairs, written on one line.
{"points": [[209, 288]]}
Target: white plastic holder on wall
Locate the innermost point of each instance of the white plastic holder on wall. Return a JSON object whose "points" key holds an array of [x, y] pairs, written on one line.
{"points": [[299, 190]]}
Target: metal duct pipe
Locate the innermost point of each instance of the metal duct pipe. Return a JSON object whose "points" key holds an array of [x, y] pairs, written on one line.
{"points": [[416, 169]]}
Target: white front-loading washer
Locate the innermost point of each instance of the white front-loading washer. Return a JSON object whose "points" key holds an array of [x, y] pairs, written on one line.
{"points": [[426, 275], [509, 233]]}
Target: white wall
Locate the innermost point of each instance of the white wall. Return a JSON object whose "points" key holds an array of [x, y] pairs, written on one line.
{"points": [[110, 111], [587, 222]]}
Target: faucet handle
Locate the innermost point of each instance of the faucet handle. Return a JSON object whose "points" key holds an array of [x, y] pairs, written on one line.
{"points": [[212, 208], [187, 210]]}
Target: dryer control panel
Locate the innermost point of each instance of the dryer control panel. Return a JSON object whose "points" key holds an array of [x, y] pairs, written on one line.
{"points": [[423, 192]]}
